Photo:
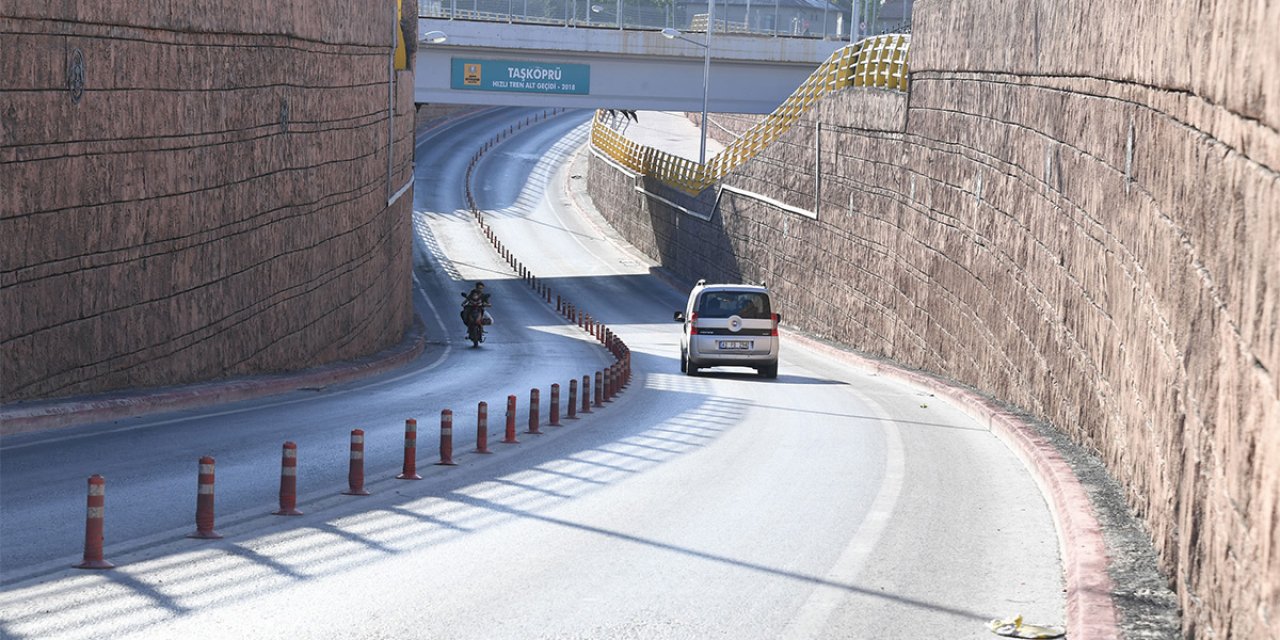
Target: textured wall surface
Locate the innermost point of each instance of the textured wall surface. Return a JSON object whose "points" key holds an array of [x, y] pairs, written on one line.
{"points": [[197, 190], [1076, 209]]}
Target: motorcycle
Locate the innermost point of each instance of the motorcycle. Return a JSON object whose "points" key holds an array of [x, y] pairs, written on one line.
{"points": [[476, 317]]}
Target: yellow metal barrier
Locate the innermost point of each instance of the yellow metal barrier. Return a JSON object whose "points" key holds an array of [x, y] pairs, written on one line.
{"points": [[880, 61]]}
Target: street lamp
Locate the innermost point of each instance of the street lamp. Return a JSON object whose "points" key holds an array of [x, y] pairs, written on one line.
{"points": [[434, 37], [671, 34]]}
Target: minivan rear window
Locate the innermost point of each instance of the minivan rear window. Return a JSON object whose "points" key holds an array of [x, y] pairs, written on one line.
{"points": [[744, 304]]}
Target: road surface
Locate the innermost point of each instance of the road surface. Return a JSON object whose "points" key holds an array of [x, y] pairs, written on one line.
{"points": [[828, 503]]}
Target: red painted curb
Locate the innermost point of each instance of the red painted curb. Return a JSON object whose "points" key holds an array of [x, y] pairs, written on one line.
{"points": [[1091, 611]]}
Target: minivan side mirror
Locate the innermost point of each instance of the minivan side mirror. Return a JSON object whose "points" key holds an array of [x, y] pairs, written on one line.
{"points": [[778, 317], [679, 316]]}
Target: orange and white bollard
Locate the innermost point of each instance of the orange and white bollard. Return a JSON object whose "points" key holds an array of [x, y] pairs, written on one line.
{"points": [[204, 502], [409, 471], [572, 405], [93, 525], [289, 481], [482, 428], [608, 384], [599, 397], [355, 470], [553, 416], [511, 421], [446, 438], [533, 412], [586, 393]]}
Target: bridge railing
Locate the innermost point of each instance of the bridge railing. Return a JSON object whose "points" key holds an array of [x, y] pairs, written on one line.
{"points": [[879, 61], [762, 17]]}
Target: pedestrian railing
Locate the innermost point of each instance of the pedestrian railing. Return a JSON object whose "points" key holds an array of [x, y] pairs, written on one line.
{"points": [[632, 15], [879, 61]]}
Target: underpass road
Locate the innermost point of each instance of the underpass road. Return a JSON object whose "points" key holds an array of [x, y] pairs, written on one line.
{"points": [[829, 503]]}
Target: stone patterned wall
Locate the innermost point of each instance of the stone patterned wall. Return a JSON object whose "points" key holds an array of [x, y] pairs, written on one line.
{"points": [[196, 191], [1077, 211]]}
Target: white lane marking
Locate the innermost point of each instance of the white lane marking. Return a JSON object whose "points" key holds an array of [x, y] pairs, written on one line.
{"points": [[437, 130], [282, 403], [556, 157], [610, 263], [825, 599]]}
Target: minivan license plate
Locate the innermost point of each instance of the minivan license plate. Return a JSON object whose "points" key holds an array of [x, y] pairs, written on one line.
{"points": [[735, 344]]}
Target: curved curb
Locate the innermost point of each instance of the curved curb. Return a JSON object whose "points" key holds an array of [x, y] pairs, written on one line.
{"points": [[1091, 610], [22, 418]]}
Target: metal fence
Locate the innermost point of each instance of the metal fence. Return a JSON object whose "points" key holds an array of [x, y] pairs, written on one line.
{"points": [[879, 61], [800, 19]]}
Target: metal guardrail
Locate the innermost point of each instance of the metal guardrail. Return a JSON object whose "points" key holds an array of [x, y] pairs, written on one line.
{"points": [[879, 61], [607, 14], [882, 62], [762, 17]]}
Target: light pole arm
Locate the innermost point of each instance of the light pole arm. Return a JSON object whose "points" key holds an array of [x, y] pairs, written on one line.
{"points": [[675, 34]]}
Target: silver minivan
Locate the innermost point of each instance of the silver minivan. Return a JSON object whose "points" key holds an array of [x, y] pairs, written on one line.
{"points": [[729, 325]]}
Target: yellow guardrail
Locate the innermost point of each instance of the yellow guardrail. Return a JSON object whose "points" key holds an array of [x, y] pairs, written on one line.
{"points": [[879, 61]]}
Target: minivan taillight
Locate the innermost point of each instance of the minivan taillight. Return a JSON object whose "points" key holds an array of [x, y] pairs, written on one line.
{"points": [[693, 323], [774, 330]]}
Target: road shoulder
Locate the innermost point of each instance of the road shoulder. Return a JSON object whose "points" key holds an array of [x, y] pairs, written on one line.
{"points": [[1114, 585]]}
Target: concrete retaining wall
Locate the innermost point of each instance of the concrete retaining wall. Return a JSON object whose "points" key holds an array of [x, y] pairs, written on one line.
{"points": [[1076, 210], [198, 193]]}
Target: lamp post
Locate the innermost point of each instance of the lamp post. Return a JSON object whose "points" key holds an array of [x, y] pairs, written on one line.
{"points": [[670, 33]]}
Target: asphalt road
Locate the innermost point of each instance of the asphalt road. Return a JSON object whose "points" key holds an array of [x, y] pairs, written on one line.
{"points": [[827, 503]]}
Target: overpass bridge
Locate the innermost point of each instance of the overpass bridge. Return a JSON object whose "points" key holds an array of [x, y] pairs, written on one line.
{"points": [[571, 64]]}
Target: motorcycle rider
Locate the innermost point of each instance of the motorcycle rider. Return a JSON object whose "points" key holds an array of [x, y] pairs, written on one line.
{"points": [[476, 292], [476, 299]]}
